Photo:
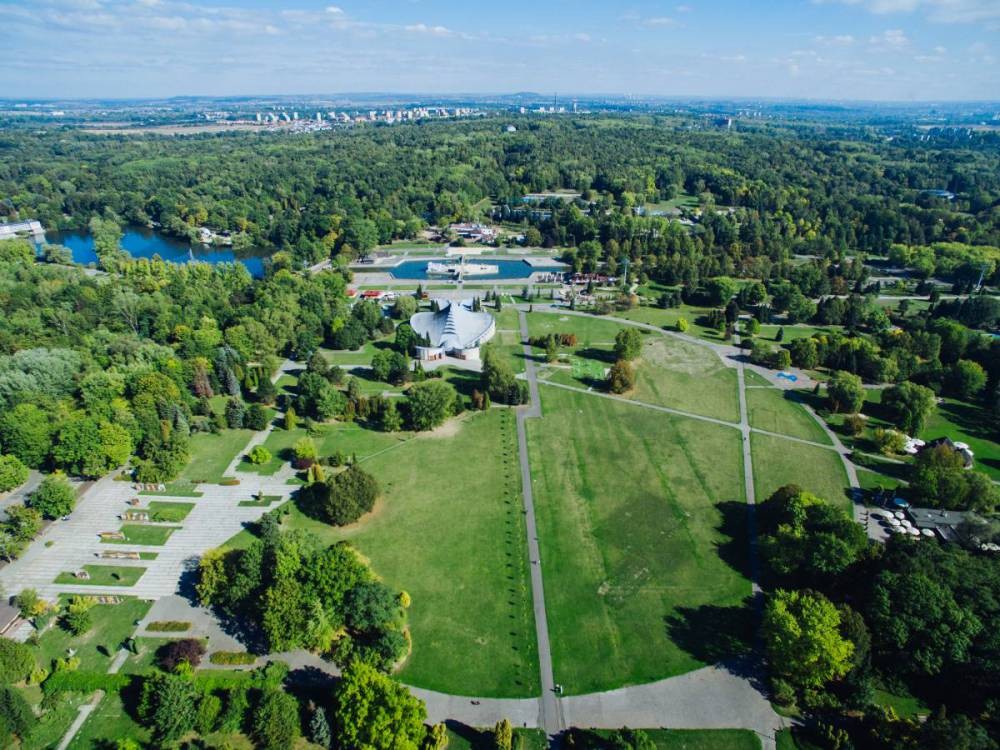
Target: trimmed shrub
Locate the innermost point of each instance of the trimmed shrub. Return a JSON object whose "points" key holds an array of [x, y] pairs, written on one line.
{"points": [[168, 626], [232, 657], [16, 662]]}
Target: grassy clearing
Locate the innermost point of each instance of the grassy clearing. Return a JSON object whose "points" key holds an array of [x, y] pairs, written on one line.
{"points": [[164, 512], [642, 524], [348, 438], [112, 624], [212, 454], [777, 462], [109, 723], [872, 480], [774, 410], [104, 575], [668, 317], [362, 356], [671, 372], [906, 706], [150, 536], [450, 531], [969, 424], [54, 721], [685, 376]]}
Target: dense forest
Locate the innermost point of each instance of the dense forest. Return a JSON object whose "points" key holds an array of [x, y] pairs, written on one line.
{"points": [[791, 189]]}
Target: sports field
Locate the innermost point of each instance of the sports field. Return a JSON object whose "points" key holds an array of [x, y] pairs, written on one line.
{"points": [[450, 531], [641, 520]]}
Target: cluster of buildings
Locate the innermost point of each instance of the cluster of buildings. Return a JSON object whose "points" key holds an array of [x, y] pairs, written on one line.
{"points": [[476, 232], [324, 120]]}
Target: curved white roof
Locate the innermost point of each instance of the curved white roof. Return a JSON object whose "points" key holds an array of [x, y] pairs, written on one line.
{"points": [[454, 326]]}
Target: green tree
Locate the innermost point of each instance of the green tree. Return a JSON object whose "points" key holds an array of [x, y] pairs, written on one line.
{"points": [[373, 712], [55, 496], [13, 473], [720, 290], [390, 419], [168, 705], [628, 344], [259, 455], [845, 392], [621, 377], [16, 662], [430, 403], [503, 735], [290, 421], [257, 418], [911, 405], [966, 378], [276, 720], [319, 728], [344, 497], [801, 632], [16, 716], [916, 620], [26, 432]]}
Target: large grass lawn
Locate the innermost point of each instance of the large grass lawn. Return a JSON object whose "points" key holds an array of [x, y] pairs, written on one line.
{"points": [[349, 438], [670, 372], [450, 531], [112, 624], [777, 462], [168, 512], [641, 519], [774, 410]]}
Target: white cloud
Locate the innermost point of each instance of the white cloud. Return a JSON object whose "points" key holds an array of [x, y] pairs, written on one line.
{"points": [[891, 38], [582, 37], [660, 21], [683, 8], [334, 10], [941, 11], [840, 40], [422, 28]]}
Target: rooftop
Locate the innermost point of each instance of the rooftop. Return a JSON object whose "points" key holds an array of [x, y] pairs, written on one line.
{"points": [[454, 326]]}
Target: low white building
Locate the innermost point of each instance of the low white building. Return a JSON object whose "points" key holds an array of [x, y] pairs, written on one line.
{"points": [[455, 330]]}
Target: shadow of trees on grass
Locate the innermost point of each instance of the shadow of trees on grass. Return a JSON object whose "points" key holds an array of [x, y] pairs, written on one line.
{"points": [[713, 633]]}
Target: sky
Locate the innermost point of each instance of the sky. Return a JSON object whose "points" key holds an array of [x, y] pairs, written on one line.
{"points": [[890, 50]]}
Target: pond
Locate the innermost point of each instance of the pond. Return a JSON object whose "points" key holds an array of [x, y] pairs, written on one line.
{"points": [[141, 242], [506, 269]]}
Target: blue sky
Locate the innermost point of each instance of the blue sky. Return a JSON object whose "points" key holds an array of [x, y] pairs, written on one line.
{"points": [[819, 49]]}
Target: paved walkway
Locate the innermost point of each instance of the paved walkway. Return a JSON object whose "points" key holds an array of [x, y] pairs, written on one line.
{"points": [[550, 712]]}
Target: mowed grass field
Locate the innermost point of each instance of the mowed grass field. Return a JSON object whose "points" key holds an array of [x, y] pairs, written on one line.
{"points": [[773, 410], [641, 520], [777, 462], [670, 371], [449, 530]]}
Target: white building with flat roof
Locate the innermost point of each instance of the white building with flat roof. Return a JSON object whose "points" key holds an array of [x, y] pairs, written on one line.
{"points": [[455, 330]]}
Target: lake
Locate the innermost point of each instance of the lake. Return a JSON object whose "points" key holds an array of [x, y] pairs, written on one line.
{"points": [[141, 242], [506, 269]]}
